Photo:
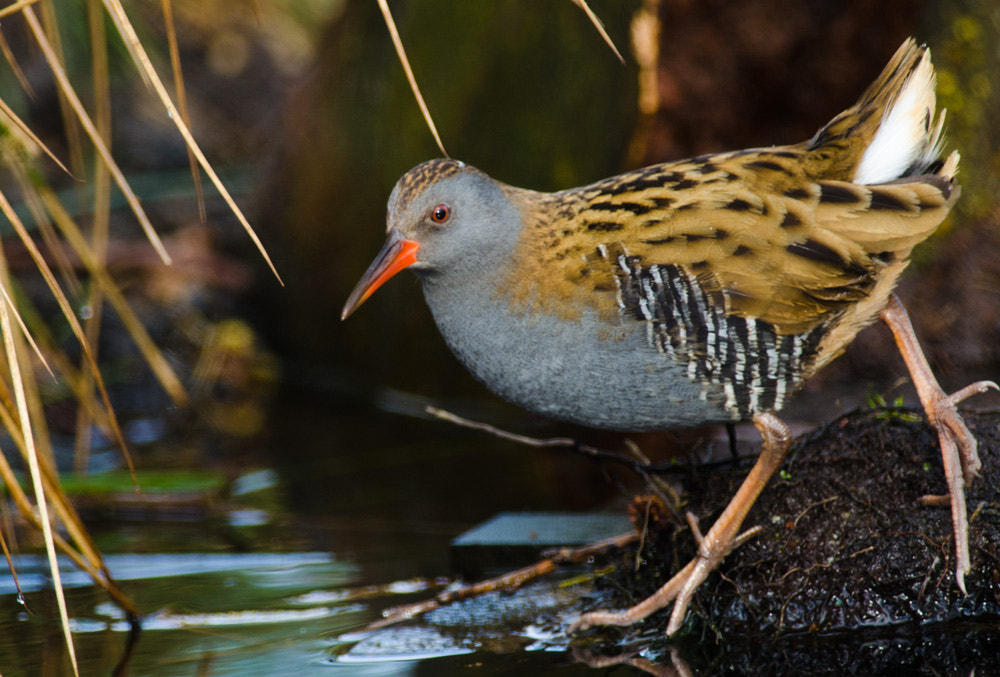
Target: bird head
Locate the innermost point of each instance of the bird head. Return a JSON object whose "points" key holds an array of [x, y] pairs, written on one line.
{"points": [[445, 218]]}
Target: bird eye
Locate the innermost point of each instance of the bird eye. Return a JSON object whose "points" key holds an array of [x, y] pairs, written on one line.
{"points": [[440, 213]]}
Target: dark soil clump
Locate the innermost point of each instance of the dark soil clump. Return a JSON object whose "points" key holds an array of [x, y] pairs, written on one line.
{"points": [[845, 544]]}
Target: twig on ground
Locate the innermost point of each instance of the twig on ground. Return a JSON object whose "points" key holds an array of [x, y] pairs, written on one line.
{"points": [[643, 467], [509, 581]]}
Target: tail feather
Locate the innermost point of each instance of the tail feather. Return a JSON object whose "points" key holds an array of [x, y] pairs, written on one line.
{"points": [[908, 139], [892, 131]]}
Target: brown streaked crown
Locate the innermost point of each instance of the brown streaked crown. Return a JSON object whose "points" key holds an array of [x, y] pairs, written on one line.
{"points": [[423, 175]]}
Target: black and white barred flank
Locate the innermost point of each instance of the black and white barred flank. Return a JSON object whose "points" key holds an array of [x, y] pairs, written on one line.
{"points": [[755, 365]]}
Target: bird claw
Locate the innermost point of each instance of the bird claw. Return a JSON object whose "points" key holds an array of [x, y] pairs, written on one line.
{"points": [[944, 416], [678, 589], [972, 389]]}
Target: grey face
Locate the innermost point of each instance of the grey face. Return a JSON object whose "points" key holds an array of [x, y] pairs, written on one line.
{"points": [[447, 221], [460, 217]]}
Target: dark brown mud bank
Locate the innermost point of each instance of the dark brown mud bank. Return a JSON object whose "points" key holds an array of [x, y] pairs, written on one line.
{"points": [[849, 570]]}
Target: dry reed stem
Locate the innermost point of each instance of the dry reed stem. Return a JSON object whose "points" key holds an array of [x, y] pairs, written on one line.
{"points": [[599, 25], [88, 559], [24, 331], [58, 363], [28, 438], [71, 130], [145, 66], [67, 89], [10, 10], [15, 67], [181, 93], [50, 478], [401, 53], [151, 353], [16, 124], [36, 478], [13, 571], [70, 316], [43, 225], [99, 231]]}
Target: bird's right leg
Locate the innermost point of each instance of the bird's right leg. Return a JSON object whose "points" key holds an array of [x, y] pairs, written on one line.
{"points": [[958, 446]]}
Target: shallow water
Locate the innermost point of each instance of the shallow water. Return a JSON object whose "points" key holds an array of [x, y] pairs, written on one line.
{"points": [[354, 516], [271, 613], [278, 576]]}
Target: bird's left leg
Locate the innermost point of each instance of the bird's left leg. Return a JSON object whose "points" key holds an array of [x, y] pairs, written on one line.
{"points": [[958, 446], [713, 546]]}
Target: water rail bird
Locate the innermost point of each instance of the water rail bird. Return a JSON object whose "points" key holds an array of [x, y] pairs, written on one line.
{"points": [[693, 292]]}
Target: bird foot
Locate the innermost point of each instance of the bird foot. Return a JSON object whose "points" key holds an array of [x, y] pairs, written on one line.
{"points": [[958, 447], [713, 547], [679, 589], [959, 452], [943, 415]]}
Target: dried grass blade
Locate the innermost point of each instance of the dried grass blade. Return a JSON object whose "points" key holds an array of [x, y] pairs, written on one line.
{"points": [[36, 479], [14, 425], [43, 226], [70, 126], [58, 361], [401, 53], [181, 93], [27, 334], [16, 7], [50, 481], [161, 368], [146, 66], [87, 558], [93, 568], [131, 45], [98, 233], [70, 519], [13, 121], [88, 125], [13, 572], [599, 25], [67, 311], [15, 67]]}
